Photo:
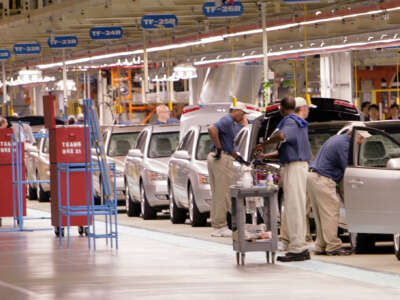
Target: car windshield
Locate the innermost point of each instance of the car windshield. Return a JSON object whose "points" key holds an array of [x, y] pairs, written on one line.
{"points": [[121, 143], [163, 144], [203, 146]]}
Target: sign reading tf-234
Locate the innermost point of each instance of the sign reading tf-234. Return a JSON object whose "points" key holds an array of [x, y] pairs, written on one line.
{"points": [[106, 33], [63, 42], [159, 21], [211, 10], [25, 49]]}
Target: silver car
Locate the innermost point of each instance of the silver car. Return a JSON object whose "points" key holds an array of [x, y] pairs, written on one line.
{"points": [[188, 185], [118, 140], [146, 170]]}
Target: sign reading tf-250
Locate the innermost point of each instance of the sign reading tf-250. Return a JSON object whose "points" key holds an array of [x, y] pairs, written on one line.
{"points": [[106, 33], [159, 21], [211, 10], [63, 42]]}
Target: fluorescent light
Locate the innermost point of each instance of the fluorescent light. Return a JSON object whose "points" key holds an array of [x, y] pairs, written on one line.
{"points": [[212, 39]]}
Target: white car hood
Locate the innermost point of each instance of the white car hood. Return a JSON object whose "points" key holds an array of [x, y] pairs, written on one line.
{"points": [[159, 165]]}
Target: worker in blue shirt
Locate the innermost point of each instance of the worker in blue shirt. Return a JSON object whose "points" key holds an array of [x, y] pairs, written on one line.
{"points": [[220, 167], [164, 116], [326, 170], [294, 153]]}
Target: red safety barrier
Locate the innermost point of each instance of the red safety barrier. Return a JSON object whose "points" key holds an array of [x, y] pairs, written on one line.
{"points": [[6, 179]]}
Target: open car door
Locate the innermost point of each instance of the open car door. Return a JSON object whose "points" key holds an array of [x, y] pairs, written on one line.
{"points": [[372, 184]]}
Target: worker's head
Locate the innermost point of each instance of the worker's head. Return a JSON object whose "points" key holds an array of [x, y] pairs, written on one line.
{"points": [[361, 135], [3, 122], [394, 111], [238, 111], [302, 108], [373, 111], [364, 108], [288, 105], [163, 113]]}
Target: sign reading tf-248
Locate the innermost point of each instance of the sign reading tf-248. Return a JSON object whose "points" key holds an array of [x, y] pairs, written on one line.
{"points": [[63, 42], [159, 21], [211, 10], [106, 33]]}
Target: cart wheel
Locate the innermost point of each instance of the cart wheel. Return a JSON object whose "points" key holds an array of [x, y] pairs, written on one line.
{"points": [[80, 230], [267, 257], [237, 258], [57, 232], [273, 257], [86, 231], [243, 256]]}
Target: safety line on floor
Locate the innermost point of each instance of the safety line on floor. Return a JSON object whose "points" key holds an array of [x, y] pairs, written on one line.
{"points": [[332, 269]]}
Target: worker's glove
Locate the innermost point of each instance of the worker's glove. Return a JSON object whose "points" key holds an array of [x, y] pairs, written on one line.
{"points": [[217, 154], [242, 161]]}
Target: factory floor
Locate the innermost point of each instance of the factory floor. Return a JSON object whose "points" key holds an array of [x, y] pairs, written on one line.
{"points": [[159, 261]]}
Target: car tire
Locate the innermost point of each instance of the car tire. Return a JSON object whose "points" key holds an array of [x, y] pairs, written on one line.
{"points": [[32, 192], [148, 212], [197, 218], [396, 239], [132, 208], [177, 215], [362, 242], [42, 195]]}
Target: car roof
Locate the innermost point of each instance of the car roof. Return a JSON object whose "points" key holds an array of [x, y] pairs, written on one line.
{"points": [[126, 128], [165, 128]]}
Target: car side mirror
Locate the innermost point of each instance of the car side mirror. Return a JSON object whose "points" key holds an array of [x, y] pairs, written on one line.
{"points": [[135, 153], [393, 164], [181, 154]]}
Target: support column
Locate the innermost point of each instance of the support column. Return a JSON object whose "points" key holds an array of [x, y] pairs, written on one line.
{"points": [[65, 93], [267, 89], [3, 69], [146, 68], [336, 74]]}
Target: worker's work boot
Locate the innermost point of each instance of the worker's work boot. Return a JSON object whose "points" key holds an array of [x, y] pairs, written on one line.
{"points": [[289, 256]]}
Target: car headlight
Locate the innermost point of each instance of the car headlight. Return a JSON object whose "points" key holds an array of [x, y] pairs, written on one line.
{"points": [[153, 176], [203, 179]]}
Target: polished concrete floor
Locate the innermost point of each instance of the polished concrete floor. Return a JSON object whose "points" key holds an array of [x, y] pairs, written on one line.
{"points": [[156, 264]]}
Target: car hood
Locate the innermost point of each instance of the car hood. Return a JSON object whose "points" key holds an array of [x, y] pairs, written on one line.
{"points": [[159, 165], [118, 160]]}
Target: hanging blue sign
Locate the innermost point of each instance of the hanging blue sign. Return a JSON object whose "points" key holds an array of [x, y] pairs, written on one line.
{"points": [[62, 42], [159, 21], [4, 54], [25, 49], [211, 10], [106, 33]]}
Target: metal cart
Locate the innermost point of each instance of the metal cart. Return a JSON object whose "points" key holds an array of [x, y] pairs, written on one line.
{"points": [[269, 211]]}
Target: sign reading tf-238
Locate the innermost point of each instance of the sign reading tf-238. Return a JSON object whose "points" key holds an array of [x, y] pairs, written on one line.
{"points": [[63, 42], [106, 33], [24, 49], [159, 21], [211, 10]]}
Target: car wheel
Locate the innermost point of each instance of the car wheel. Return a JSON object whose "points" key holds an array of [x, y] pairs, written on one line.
{"points": [[196, 217], [147, 211], [42, 195], [32, 192], [396, 239], [362, 242], [132, 208], [177, 215]]}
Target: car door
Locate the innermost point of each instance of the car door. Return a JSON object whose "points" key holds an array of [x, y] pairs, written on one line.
{"points": [[184, 166], [134, 165], [371, 184]]}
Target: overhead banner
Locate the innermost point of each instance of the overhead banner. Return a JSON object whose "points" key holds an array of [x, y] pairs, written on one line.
{"points": [[4, 54], [26, 49], [211, 10], [63, 42], [106, 33], [159, 21]]}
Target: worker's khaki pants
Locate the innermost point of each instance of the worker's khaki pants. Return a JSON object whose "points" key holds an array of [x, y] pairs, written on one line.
{"points": [[325, 206], [220, 174], [293, 219]]}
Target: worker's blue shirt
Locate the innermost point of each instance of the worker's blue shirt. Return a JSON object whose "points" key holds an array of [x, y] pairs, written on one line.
{"points": [[226, 132], [333, 157], [296, 147], [237, 127], [170, 121]]}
